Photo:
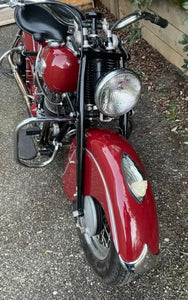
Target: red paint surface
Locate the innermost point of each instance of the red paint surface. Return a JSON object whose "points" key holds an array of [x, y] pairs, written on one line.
{"points": [[29, 42], [136, 224], [30, 45], [61, 72]]}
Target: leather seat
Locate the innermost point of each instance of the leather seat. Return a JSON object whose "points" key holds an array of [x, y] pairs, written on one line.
{"points": [[37, 21]]}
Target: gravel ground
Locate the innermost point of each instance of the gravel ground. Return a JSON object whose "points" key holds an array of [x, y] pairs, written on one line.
{"points": [[40, 254]]}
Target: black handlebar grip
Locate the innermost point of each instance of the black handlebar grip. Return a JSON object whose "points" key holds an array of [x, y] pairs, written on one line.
{"points": [[159, 21]]}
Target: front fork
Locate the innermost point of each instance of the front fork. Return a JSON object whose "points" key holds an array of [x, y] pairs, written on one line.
{"points": [[125, 124], [80, 140]]}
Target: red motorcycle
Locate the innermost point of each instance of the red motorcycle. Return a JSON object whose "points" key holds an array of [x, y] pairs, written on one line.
{"points": [[71, 68]]}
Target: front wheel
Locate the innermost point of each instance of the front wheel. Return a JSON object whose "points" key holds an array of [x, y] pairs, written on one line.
{"points": [[98, 245]]}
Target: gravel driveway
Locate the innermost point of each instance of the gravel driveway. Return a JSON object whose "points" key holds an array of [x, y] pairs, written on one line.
{"points": [[40, 254]]}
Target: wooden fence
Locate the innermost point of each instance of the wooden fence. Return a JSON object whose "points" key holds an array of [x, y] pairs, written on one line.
{"points": [[166, 41]]}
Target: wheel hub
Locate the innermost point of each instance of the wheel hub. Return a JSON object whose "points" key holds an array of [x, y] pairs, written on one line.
{"points": [[90, 216]]}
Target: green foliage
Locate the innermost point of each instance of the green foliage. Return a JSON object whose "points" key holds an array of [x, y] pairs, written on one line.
{"points": [[172, 112], [185, 40], [179, 2], [136, 31], [185, 43], [185, 5], [142, 4]]}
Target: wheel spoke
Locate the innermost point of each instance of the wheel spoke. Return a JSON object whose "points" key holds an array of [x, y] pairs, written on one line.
{"points": [[104, 237], [99, 243]]}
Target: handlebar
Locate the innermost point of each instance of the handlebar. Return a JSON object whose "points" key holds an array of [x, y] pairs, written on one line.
{"points": [[155, 19], [134, 17]]}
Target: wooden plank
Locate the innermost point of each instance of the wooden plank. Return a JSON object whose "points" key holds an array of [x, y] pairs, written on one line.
{"points": [[166, 41], [106, 3], [125, 8], [6, 16], [113, 6], [173, 13], [169, 53], [81, 4], [170, 35]]}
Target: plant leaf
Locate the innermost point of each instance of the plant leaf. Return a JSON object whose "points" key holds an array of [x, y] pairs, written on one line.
{"points": [[185, 5], [185, 49], [185, 39]]}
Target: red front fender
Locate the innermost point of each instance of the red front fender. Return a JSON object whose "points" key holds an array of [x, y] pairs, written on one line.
{"points": [[132, 224]]}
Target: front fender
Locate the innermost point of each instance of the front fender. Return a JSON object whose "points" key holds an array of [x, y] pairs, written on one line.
{"points": [[133, 225]]}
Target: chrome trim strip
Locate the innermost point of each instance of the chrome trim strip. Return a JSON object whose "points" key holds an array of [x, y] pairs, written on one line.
{"points": [[109, 203], [144, 262], [69, 162], [33, 42]]}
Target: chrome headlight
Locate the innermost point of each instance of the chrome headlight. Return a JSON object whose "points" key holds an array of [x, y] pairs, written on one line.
{"points": [[117, 92], [134, 177]]}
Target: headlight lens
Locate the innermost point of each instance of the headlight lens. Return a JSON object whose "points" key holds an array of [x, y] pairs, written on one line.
{"points": [[117, 92], [134, 177]]}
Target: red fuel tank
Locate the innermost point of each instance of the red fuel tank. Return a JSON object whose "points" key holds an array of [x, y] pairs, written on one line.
{"points": [[61, 69]]}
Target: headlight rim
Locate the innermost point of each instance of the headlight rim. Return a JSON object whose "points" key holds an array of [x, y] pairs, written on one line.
{"points": [[108, 76]]}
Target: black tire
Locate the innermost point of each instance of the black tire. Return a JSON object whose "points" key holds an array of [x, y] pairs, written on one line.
{"points": [[102, 256]]}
